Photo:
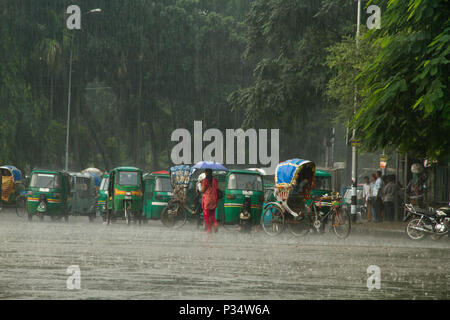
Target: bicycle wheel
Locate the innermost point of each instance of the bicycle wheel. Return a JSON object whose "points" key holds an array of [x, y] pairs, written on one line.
{"points": [[21, 208], [341, 223], [299, 226], [272, 220], [174, 215]]}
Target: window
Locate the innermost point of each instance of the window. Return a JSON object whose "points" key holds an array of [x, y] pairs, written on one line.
{"points": [[104, 184], [242, 181], [163, 185], [323, 183], [128, 178], [41, 180]]}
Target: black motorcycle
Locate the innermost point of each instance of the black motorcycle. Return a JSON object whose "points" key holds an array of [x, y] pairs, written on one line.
{"points": [[434, 222]]}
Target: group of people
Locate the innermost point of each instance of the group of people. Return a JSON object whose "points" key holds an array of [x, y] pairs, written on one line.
{"points": [[379, 195], [380, 192]]}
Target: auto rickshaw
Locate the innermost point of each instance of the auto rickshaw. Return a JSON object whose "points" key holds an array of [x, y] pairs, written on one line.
{"points": [[12, 189], [49, 194], [125, 194], [101, 197], [323, 184], [158, 191], [243, 199], [83, 194]]}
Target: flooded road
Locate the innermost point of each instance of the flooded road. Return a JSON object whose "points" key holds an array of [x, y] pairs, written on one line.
{"points": [[153, 262]]}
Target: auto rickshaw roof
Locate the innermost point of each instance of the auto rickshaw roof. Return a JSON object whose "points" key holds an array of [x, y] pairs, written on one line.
{"points": [[129, 169], [150, 176], [49, 171], [322, 173], [244, 172], [16, 173]]}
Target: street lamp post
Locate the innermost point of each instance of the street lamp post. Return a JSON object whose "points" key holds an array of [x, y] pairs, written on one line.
{"points": [[69, 95]]}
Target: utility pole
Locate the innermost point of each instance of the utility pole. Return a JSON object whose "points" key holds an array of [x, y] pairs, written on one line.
{"points": [[70, 90], [354, 150]]}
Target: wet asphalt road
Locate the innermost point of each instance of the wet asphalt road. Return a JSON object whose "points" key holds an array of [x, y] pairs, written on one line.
{"points": [[153, 262]]}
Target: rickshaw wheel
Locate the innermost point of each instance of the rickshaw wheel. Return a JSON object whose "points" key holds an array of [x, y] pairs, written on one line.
{"points": [[177, 216], [21, 209], [341, 223], [272, 220]]}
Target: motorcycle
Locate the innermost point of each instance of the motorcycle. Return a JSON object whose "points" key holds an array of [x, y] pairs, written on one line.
{"points": [[435, 222]]}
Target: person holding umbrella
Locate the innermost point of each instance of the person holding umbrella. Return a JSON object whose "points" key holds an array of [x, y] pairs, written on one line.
{"points": [[209, 201]]}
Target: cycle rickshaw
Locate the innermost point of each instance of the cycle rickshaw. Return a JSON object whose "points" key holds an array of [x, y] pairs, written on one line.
{"points": [[12, 192], [296, 209]]}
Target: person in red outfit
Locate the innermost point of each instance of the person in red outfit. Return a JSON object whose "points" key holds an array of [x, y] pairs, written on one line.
{"points": [[209, 201]]}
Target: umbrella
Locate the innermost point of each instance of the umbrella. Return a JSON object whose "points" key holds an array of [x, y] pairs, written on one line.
{"points": [[210, 165]]}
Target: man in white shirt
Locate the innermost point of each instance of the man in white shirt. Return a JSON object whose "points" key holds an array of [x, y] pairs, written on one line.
{"points": [[376, 198], [367, 195]]}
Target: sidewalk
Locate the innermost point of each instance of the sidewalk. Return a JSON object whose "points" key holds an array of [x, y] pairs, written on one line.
{"points": [[385, 228]]}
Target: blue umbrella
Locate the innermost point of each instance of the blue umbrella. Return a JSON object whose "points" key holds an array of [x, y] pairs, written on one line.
{"points": [[210, 165]]}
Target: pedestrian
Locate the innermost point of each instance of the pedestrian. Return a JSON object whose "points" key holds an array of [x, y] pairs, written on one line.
{"points": [[417, 187], [367, 195], [373, 213], [389, 195], [377, 192], [198, 208], [209, 201]]}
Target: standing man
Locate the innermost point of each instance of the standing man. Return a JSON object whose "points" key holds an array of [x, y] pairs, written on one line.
{"points": [[367, 194], [376, 197], [389, 194]]}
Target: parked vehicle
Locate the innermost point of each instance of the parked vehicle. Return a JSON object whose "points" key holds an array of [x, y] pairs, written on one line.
{"points": [[13, 192], [294, 207], [125, 195], [434, 222], [322, 185], [158, 192], [243, 199], [49, 195], [83, 195], [102, 196]]}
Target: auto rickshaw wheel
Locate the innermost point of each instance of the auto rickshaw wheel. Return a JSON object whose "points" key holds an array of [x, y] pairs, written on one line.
{"points": [[41, 216], [92, 218], [21, 209], [66, 217], [30, 217]]}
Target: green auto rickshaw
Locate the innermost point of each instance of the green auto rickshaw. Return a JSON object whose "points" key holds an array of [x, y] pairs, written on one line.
{"points": [[158, 191], [83, 195], [101, 197], [243, 199], [125, 194], [322, 185], [49, 194]]}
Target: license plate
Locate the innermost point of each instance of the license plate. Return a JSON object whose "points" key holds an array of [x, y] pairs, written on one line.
{"points": [[247, 193], [170, 194], [44, 190], [127, 197]]}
